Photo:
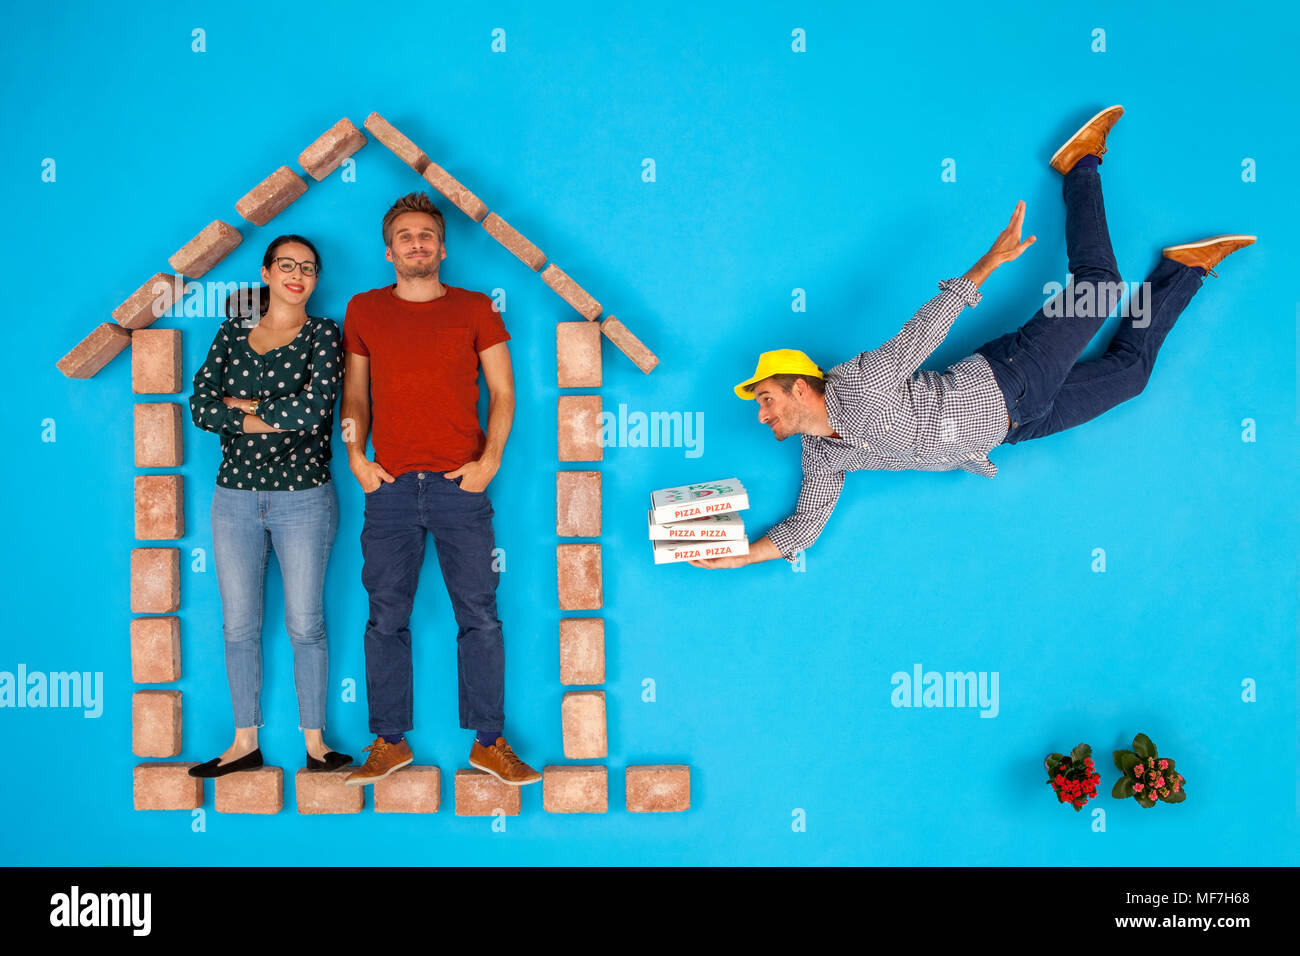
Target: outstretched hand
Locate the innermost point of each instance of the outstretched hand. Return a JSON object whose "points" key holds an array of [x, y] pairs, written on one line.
{"points": [[1008, 244]]}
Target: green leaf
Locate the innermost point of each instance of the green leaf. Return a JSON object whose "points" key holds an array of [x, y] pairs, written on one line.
{"points": [[1143, 746], [1171, 763], [1123, 788], [1081, 753], [1119, 756], [1049, 764], [1145, 802], [1178, 797]]}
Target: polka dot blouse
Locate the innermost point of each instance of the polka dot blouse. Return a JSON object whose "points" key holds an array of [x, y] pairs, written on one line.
{"points": [[297, 384]]}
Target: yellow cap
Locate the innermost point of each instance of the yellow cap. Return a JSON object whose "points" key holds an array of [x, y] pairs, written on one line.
{"points": [[780, 362]]}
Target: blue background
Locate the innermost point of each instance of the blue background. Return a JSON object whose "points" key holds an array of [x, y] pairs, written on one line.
{"points": [[775, 170]]}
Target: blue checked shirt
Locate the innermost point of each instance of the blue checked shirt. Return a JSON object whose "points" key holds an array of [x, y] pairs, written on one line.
{"points": [[890, 416]]}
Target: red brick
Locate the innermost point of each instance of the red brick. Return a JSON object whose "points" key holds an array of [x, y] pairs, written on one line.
{"points": [[479, 794], [513, 239], [582, 650], [575, 790], [94, 351], [217, 240], [155, 649], [332, 147], [323, 791], [250, 791], [578, 425], [405, 150], [577, 570], [409, 790], [449, 186], [577, 504], [582, 716], [156, 723], [268, 198], [148, 303], [571, 292], [158, 435], [156, 361], [155, 580], [629, 344], [166, 786], [661, 788], [159, 507], [577, 354]]}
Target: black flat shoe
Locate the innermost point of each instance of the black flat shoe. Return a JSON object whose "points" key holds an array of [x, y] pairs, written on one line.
{"points": [[214, 767], [333, 760]]}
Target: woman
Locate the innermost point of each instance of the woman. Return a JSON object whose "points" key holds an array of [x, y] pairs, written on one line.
{"points": [[268, 390]]}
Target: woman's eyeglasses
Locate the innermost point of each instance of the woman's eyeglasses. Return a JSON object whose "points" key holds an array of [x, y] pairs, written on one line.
{"points": [[286, 264]]}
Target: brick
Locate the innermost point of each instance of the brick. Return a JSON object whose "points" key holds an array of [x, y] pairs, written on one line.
{"points": [[268, 198], [158, 441], [629, 344], [148, 303], [513, 239], [250, 791], [155, 580], [577, 504], [156, 723], [582, 717], [577, 570], [409, 790], [330, 149], [578, 427], [166, 786], [479, 794], [661, 788], [159, 507], [217, 240], [155, 649], [323, 791], [571, 292], [405, 150], [156, 361], [450, 186], [94, 351], [582, 650], [575, 790], [577, 355]]}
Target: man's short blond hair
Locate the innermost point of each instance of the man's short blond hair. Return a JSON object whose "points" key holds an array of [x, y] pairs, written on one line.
{"points": [[413, 202]]}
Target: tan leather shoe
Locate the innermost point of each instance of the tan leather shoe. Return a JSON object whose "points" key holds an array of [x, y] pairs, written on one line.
{"points": [[384, 759], [1091, 138], [1207, 253], [500, 761]]}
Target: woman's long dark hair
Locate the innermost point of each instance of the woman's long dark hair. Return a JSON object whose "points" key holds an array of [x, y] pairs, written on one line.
{"points": [[240, 304]]}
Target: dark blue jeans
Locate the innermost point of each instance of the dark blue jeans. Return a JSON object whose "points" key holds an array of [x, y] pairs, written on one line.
{"points": [[1035, 366], [392, 546]]}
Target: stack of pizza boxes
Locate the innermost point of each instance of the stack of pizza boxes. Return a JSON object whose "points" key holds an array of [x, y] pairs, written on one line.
{"points": [[698, 522]]}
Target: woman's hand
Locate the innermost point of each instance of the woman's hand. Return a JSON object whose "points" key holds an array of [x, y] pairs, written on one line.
{"points": [[245, 405]]}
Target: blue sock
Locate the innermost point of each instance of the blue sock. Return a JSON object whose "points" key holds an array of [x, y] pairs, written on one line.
{"points": [[488, 737], [392, 738], [1089, 161], [1199, 271]]}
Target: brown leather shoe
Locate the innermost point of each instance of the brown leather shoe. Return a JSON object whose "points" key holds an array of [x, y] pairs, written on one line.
{"points": [[500, 761], [1091, 138], [1207, 253], [384, 759]]}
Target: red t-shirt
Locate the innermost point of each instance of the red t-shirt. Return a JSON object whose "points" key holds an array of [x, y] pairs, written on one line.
{"points": [[423, 374]]}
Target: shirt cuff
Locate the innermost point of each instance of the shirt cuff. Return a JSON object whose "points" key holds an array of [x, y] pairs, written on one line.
{"points": [[234, 421], [778, 537], [964, 288]]}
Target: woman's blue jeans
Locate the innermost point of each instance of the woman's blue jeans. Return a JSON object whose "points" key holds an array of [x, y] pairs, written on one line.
{"points": [[1035, 366], [300, 527]]}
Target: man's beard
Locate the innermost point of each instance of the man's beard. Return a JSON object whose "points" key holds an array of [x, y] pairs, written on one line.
{"points": [[415, 270]]}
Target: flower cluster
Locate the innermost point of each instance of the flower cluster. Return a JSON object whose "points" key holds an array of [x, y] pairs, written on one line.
{"points": [[1148, 777], [1073, 778]]}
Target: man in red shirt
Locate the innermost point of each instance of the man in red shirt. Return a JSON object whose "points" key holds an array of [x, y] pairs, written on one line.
{"points": [[415, 347]]}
